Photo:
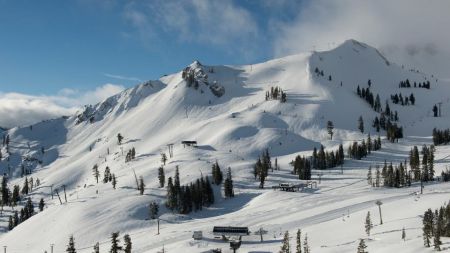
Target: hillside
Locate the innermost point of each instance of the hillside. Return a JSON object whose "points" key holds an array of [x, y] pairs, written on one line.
{"points": [[223, 109]]}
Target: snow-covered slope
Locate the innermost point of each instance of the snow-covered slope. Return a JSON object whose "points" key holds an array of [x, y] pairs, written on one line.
{"points": [[224, 109]]}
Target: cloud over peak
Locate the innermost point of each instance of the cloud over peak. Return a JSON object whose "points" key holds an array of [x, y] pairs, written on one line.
{"points": [[18, 109]]}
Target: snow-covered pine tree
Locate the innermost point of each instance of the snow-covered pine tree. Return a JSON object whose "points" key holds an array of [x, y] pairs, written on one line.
{"points": [[330, 128], [368, 224], [115, 248], [95, 172], [298, 248], [362, 246], [71, 246], [153, 210], [306, 248], [128, 244], [163, 158], [97, 248], [285, 247]]}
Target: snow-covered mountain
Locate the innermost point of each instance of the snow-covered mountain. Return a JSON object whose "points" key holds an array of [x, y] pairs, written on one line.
{"points": [[223, 109]]}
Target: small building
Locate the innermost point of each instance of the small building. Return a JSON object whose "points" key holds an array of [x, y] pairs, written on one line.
{"points": [[198, 235], [189, 143]]}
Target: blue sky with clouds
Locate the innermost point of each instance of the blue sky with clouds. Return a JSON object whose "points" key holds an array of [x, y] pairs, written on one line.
{"points": [[56, 56], [50, 45]]}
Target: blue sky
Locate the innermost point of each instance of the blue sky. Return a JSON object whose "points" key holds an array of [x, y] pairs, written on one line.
{"points": [[58, 55], [50, 45]]}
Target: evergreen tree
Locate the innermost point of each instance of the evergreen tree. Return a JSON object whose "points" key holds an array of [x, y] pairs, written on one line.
{"points": [[41, 205], [217, 175], [285, 247], [305, 245], [95, 172], [171, 198], [97, 248], [128, 244], [427, 227], [330, 128], [368, 224], [119, 139], [141, 185], [15, 195], [25, 188], [10, 223], [369, 176], [71, 246], [361, 124], [298, 248], [115, 241], [153, 210], [362, 246], [114, 181], [163, 158], [228, 185], [161, 177]]}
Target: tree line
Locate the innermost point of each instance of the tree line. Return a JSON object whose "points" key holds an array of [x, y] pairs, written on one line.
{"points": [[116, 247], [407, 84], [435, 225], [276, 93], [441, 136], [359, 150], [399, 99]]}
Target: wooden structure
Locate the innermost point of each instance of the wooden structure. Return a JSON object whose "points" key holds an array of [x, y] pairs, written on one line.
{"points": [[189, 143]]}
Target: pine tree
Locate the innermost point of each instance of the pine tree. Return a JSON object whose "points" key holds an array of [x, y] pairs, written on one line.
{"points": [[141, 185], [97, 248], [427, 227], [171, 198], [153, 210], [330, 128], [71, 246], [368, 224], [25, 188], [161, 177], [369, 176], [95, 172], [119, 139], [114, 181], [228, 185], [285, 247], [163, 158], [298, 248], [115, 248], [305, 245], [41, 205], [361, 124], [362, 246], [10, 223], [128, 244]]}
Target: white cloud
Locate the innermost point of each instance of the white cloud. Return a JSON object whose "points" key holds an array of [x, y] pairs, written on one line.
{"points": [[219, 23], [120, 77], [21, 109], [410, 32]]}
